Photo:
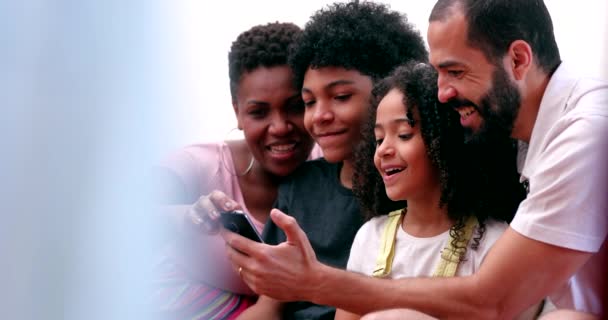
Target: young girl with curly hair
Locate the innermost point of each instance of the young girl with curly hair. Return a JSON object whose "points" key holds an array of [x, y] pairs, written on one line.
{"points": [[414, 157]]}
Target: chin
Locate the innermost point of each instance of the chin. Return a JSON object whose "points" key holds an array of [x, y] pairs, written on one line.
{"points": [[334, 156], [394, 196]]}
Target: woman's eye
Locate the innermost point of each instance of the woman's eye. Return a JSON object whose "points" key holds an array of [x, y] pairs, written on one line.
{"points": [[257, 113]]}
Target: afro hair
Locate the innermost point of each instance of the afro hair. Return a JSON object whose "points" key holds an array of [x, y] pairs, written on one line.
{"points": [[261, 46], [362, 36]]}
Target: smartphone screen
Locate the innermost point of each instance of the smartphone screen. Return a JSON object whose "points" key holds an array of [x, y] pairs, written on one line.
{"points": [[238, 222]]}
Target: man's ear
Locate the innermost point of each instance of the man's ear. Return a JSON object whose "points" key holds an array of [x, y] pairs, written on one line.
{"points": [[235, 107], [521, 58]]}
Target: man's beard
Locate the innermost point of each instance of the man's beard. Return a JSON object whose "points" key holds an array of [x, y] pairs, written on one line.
{"points": [[498, 110]]}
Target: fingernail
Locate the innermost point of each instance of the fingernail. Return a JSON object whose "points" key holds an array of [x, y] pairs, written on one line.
{"points": [[228, 205]]}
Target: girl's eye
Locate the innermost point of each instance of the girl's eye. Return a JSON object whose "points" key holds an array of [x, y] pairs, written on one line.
{"points": [[405, 136], [379, 142]]}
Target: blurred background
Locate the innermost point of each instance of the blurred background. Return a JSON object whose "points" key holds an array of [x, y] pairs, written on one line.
{"points": [[93, 93]]}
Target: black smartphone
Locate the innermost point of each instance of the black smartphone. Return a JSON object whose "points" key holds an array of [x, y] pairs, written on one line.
{"points": [[238, 222]]}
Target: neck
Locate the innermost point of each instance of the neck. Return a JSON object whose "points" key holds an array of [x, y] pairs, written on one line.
{"points": [[346, 174], [257, 174], [424, 217], [532, 96]]}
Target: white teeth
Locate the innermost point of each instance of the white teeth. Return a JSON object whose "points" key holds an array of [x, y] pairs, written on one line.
{"points": [[465, 112], [282, 147], [392, 171]]}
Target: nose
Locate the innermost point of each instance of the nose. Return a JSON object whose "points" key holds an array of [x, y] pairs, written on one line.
{"points": [[385, 149], [280, 125], [445, 90], [321, 112]]}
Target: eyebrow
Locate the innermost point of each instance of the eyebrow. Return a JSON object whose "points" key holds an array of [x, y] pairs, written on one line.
{"points": [[256, 102], [331, 85], [449, 63], [264, 103], [395, 121]]}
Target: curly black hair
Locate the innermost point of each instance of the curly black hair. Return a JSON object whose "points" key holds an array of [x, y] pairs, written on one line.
{"points": [[363, 36], [476, 179], [261, 46]]}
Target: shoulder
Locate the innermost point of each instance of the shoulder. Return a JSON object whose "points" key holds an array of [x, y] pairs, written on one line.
{"points": [[492, 232], [365, 244], [494, 229], [374, 226], [203, 153]]}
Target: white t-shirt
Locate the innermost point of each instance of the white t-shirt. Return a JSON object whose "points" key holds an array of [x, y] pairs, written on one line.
{"points": [[566, 165], [416, 257]]}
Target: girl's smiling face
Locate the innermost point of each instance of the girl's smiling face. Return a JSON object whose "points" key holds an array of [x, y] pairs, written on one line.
{"points": [[401, 156]]}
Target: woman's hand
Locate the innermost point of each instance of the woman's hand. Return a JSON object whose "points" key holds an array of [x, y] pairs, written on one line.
{"points": [[205, 212]]}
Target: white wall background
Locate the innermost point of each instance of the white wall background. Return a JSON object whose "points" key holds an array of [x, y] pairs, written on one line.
{"points": [[201, 35]]}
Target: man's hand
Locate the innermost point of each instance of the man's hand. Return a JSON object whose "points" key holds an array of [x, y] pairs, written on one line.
{"points": [[286, 271]]}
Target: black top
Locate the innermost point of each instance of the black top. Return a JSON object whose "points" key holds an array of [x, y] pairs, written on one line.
{"points": [[329, 215]]}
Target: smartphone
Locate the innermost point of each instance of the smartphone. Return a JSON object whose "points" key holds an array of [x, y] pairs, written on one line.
{"points": [[238, 222]]}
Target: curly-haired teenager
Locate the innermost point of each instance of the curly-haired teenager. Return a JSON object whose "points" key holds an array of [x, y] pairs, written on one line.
{"points": [[197, 281], [414, 150], [342, 51]]}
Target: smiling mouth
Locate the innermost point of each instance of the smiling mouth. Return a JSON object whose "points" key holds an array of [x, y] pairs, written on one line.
{"points": [[392, 171], [282, 148], [330, 134], [465, 112]]}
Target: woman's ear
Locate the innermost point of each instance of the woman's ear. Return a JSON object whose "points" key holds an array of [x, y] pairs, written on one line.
{"points": [[235, 107], [521, 58]]}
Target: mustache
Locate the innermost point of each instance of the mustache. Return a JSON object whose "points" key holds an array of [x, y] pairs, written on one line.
{"points": [[457, 103]]}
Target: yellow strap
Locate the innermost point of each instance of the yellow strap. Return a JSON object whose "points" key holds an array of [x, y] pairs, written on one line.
{"points": [[387, 245], [453, 254]]}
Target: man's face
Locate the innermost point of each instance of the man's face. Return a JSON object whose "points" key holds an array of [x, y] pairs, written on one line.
{"points": [[497, 108], [482, 92]]}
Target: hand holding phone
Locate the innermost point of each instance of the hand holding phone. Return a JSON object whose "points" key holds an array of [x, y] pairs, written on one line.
{"points": [[238, 222]]}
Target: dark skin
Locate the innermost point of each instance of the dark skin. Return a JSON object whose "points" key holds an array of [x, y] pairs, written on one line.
{"points": [[259, 189]]}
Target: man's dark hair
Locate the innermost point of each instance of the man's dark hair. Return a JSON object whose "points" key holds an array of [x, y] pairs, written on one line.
{"points": [[362, 36], [261, 46], [494, 24]]}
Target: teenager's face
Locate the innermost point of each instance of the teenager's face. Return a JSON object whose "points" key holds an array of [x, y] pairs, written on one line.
{"points": [[482, 92], [336, 101], [401, 157], [269, 110]]}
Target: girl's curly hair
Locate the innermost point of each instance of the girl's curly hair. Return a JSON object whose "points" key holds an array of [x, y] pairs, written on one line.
{"points": [[479, 180]]}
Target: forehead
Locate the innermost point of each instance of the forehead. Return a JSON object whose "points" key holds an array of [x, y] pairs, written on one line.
{"points": [[321, 78], [392, 107], [266, 81], [448, 44]]}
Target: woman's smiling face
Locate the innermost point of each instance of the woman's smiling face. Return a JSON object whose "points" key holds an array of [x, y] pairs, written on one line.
{"points": [[269, 110]]}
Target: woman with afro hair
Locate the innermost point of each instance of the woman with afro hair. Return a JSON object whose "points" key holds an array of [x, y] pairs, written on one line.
{"points": [[414, 157], [344, 49], [198, 181]]}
